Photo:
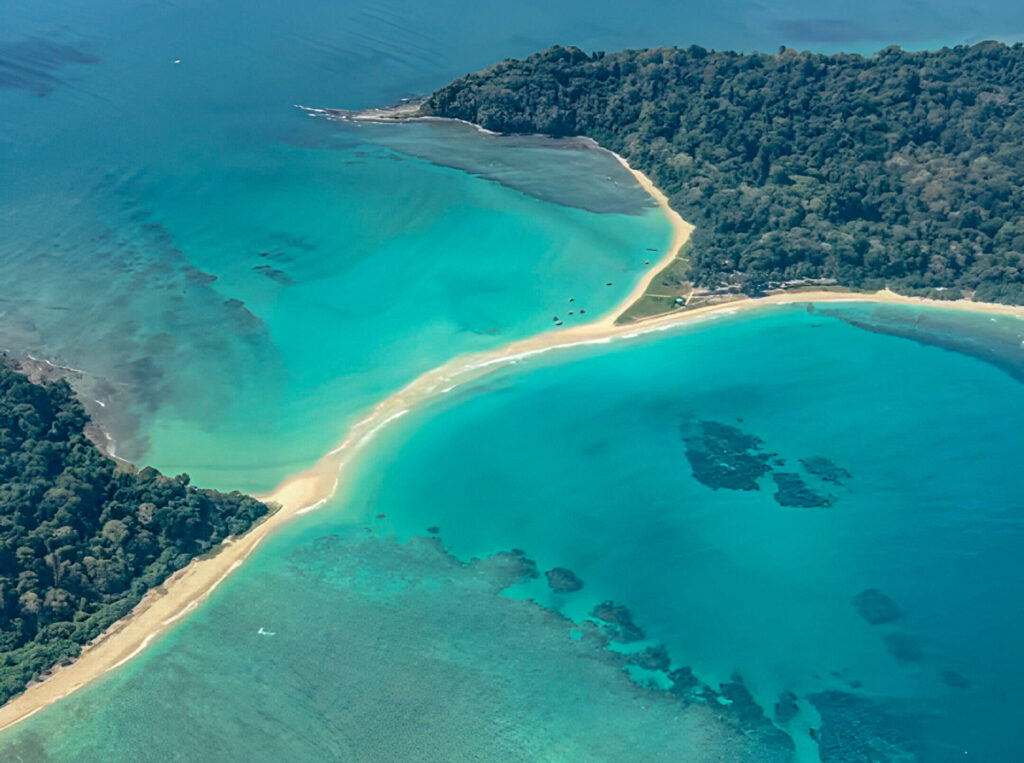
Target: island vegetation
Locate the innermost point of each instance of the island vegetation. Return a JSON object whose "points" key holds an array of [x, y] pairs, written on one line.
{"points": [[82, 538], [902, 170]]}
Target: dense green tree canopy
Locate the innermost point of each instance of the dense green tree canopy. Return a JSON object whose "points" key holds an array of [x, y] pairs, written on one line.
{"points": [[82, 538], [902, 169]]}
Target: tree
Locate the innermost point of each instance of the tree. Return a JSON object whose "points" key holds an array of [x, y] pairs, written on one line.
{"points": [[904, 169]]}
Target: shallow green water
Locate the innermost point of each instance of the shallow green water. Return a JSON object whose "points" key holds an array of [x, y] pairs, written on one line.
{"points": [[584, 465], [578, 458], [245, 317], [390, 266]]}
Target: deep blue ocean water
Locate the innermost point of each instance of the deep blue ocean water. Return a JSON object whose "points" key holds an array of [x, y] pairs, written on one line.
{"points": [[237, 281]]}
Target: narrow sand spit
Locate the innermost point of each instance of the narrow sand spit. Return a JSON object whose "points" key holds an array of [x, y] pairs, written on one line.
{"points": [[185, 590]]}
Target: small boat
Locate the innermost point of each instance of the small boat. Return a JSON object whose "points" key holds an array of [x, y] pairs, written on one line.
{"points": [[264, 632]]}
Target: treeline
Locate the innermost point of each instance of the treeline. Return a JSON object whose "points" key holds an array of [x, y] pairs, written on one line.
{"points": [[82, 538], [903, 169]]}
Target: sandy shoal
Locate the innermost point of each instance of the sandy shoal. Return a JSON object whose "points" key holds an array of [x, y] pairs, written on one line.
{"points": [[166, 605]]}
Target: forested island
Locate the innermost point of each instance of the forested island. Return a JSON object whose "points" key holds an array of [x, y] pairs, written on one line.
{"points": [[901, 170], [82, 538]]}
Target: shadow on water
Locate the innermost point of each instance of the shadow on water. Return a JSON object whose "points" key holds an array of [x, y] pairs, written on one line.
{"points": [[571, 172], [32, 64], [996, 340]]}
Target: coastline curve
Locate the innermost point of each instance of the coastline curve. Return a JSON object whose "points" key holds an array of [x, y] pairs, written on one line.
{"points": [[167, 604]]}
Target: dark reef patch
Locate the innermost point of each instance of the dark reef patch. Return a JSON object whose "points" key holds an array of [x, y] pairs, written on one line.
{"points": [[276, 256], [523, 566], [723, 456], [684, 682], [563, 580], [875, 607], [857, 729], [732, 705], [245, 319], [274, 274], [195, 275], [751, 718], [824, 469], [430, 611], [905, 648], [652, 658], [791, 490], [618, 621], [955, 680]]}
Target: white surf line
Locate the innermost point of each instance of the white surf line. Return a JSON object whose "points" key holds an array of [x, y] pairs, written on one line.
{"points": [[55, 365], [136, 653], [373, 432], [536, 351], [197, 601], [313, 506]]}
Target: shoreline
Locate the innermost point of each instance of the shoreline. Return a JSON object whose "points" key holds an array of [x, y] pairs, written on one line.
{"points": [[681, 232], [185, 590]]}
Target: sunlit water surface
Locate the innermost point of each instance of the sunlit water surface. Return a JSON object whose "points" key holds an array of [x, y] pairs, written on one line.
{"points": [[235, 282]]}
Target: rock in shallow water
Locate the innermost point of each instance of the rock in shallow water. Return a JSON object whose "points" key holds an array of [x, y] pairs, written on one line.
{"points": [[620, 619], [652, 658], [563, 580]]}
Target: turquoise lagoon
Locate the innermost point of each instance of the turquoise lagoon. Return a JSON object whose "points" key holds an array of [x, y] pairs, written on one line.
{"points": [[581, 462], [387, 647], [231, 322], [148, 148], [236, 281]]}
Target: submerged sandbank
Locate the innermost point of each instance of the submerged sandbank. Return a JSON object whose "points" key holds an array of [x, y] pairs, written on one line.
{"points": [[185, 590]]}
